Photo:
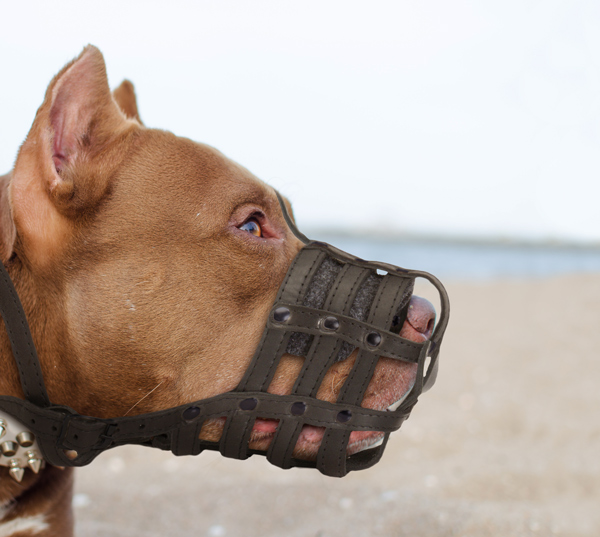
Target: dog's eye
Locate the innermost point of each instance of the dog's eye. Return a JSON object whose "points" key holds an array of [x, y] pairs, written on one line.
{"points": [[253, 227]]}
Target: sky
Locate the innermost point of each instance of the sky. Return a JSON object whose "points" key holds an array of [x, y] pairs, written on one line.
{"points": [[445, 117]]}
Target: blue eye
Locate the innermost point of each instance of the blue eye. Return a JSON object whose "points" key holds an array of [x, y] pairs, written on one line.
{"points": [[253, 227]]}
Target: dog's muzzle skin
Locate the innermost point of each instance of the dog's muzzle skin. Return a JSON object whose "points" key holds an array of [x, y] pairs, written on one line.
{"points": [[329, 304]]}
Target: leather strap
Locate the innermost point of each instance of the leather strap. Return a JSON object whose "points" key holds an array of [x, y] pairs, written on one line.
{"points": [[17, 328]]}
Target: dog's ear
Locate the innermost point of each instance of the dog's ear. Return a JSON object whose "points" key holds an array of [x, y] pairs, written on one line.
{"points": [[63, 169], [125, 97]]}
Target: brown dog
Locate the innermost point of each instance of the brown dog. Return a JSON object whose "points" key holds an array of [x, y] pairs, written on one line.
{"points": [[147, 265]]}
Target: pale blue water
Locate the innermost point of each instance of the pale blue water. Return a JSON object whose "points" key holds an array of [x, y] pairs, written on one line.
{"points": [[471, 261]]}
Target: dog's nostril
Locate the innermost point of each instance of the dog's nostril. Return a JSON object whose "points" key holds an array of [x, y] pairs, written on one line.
{"points": [[421, 315]]}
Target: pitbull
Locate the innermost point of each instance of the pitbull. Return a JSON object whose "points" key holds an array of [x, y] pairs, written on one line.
{"points": [[146, 264]]}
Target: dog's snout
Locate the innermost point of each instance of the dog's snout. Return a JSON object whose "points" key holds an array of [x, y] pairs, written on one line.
{"points": [[420, 320]]}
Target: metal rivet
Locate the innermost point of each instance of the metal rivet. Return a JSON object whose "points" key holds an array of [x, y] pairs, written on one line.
{"points": [[281, 314], [16, 472], [298, 408], [373, 339], [25, 439], [71, 453], [9, 448], [331, 323], [190, 413], [344, 416], [248, 404]]}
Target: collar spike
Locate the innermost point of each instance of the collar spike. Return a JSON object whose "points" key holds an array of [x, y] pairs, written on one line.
{"points": [[16, 472], [35, 465]]}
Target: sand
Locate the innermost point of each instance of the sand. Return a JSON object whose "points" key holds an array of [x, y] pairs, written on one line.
{"points": [[507, 443]]}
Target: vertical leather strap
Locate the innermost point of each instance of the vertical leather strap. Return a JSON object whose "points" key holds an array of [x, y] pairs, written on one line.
{"points": [[23, 348], [258, 376], [331, 458], [321, 355]]}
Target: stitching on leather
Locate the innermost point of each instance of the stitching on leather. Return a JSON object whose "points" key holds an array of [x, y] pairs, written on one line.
{"points": [[395, 341], [30, 365], [342, 451], [360, 389], [276, 357], [309, 360], [352, 292], [356, 324], [333, 292], [308, 273]]}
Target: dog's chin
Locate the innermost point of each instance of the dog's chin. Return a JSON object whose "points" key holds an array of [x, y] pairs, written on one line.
{"points": [[310, 439], [391, 383]]}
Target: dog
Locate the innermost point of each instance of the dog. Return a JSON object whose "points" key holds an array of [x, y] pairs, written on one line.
{"points": [[147, 265]]}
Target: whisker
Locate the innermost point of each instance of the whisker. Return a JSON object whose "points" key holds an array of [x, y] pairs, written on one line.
{"points": [[143, 398]]}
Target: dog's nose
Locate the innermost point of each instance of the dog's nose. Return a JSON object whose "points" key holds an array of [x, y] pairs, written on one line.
{"points": [[420, 320]]}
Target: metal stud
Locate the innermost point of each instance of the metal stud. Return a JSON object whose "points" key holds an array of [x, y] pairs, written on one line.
{"points": [[373, 339], [190, 413], [9, 448], [281, 314], [298, 408], [248, 404], [71, 453], [16, 472], [330, 323], [344, 416], [25, 439]]}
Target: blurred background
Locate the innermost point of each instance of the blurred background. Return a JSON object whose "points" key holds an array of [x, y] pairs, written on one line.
{"points": [[456, 137]]}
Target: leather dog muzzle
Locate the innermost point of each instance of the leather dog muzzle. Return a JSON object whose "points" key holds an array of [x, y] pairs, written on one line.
{"points": [[329, 304]]}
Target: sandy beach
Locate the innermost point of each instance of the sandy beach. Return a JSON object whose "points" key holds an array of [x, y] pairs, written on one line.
{"points": [[507, 443]]}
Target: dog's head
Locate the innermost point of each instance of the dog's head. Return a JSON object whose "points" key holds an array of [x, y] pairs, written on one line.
{"points": [[148, 264]]}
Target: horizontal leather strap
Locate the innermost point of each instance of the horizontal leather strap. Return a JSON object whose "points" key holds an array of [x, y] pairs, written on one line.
{"points": [[309, 321], [58, 428]]}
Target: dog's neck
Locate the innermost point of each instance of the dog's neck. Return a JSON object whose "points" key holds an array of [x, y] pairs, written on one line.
{"points": [[25, 507]]}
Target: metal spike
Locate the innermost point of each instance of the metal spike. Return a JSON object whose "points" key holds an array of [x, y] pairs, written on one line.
{"points": [[25, 439], [2, 430], [16, 472], [34, 464]]}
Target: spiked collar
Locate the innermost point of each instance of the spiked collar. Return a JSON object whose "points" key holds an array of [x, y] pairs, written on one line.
{"points": [[19, 449]]}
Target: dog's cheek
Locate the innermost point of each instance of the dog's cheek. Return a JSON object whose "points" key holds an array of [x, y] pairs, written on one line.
{"points": [[249, 275]]}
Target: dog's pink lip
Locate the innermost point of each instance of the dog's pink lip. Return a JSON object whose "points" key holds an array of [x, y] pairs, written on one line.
{"points": [[310, 437]]}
